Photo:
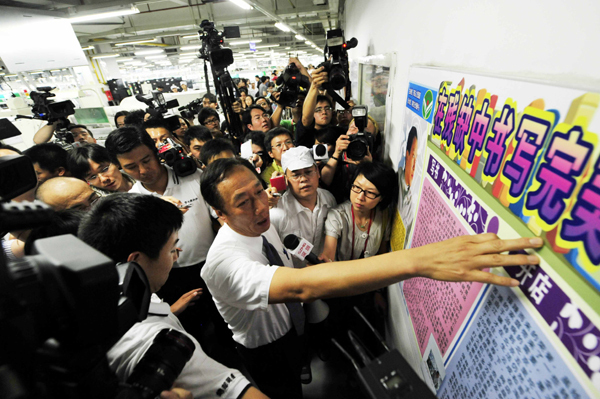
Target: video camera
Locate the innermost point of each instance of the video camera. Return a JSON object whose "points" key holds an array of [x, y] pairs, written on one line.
{"points": [[337, 69], [220, 58], [54, 111], [362, 142], [157, 105], [172, 154], [291, 82], [192, 109], [62, 310]]}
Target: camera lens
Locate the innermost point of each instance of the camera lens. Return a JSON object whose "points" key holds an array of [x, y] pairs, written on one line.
{"points": [[357, 149], [161, 363], [337, 77]]}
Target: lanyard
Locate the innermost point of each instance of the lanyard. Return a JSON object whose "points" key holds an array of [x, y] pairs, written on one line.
{"points": [[368, 231]]}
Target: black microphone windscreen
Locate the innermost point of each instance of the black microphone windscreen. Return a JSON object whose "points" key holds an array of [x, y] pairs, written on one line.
{"points": [[291, 241]]}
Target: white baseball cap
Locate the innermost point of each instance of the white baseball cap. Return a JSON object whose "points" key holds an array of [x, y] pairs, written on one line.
{"points": [[297, 158]]}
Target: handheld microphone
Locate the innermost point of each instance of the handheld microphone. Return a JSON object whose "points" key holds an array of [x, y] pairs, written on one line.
{"points": [[301, 248]]}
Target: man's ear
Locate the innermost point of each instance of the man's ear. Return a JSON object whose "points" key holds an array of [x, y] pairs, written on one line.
{"points": [[220, 214], [134, 256], [61, 171], [249, 127]]}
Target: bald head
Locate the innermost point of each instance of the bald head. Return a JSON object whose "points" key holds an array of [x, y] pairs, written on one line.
{"points": [[66, 193]]}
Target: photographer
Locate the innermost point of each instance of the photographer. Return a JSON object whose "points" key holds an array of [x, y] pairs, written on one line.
{"points": [[339, 169], [317, 111], [159, 131], [80, 133], [144, 229], [210, 118], [195, 138]]}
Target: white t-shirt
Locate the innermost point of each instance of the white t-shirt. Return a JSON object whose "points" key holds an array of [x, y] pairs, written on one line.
{"points": [[202, 376], [238, 276], [290, 217], [196, 234]]}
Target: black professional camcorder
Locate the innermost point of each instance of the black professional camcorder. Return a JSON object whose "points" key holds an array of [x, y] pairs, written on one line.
{"points": [[65, 306], [292, 82], [50, 110], [337, 68], [172, 154], [190, 110], [362, 142], [157, 105]]}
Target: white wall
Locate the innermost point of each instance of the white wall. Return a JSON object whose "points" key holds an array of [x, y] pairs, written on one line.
{"points": [[555, 41]]}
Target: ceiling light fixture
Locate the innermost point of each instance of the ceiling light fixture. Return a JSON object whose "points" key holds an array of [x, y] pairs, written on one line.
{"points": [[149, 52], [190, 37], [300, 37], [267, 46], [242, 4], [136, 42], [156, 57], [245, 42], [87, 48], [98, 56], [109, 14], [282, 26], [124, 59], [184, 48]]}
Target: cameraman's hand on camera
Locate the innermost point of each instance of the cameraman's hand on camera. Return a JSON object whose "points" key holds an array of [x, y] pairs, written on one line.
{"points": [[340, 145], [45, 133], [176, 393], [236, 106], [319, 77], [176, 202], [366, 158], [186, 300]]}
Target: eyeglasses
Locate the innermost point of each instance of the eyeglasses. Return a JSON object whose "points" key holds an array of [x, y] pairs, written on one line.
{"points": [[263, 116], [318, 110], [287, 143], [211, 121], [297, 176], [103, 172], [368, 194]]}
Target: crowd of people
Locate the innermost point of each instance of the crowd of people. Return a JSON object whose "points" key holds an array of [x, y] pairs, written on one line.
{"points": [[210, 242]]}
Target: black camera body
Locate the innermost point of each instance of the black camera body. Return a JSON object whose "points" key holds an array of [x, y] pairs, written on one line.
{"points": [[190, 110], [172, 154], [337, 49], [50, 110], [157, 105], [292, 82], [362, 142]]}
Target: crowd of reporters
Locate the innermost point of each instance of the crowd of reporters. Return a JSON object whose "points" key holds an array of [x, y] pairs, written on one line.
{"points": [[343, 205]]}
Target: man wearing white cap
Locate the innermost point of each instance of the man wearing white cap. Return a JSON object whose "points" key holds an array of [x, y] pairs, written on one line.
{"points": [[303, 208]]}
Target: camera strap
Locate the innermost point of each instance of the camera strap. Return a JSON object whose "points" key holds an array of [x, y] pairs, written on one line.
{"points": [[337, 98], [372, 216]]}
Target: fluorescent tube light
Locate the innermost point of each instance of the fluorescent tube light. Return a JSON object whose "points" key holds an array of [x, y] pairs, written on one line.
{"points": [[156, 57], [184, 48], [149, 52], [267, 46], [98, 56], [245, 41], [300, 37], [124, 59], [136, 42], [282, 26], [191, 37], [87, 48], [242, 4], [110, 14]]}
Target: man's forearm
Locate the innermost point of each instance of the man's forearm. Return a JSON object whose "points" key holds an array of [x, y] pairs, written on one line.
{"points": [[44, 134], [459, 259], [276, 117], [308, 109]]}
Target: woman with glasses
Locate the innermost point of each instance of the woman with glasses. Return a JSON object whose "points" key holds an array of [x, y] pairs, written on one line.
{"points": [[360, 228], [92, 164]]}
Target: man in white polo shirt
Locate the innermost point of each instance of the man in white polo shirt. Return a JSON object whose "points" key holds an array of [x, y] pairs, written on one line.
{"points": [[260, 301]]}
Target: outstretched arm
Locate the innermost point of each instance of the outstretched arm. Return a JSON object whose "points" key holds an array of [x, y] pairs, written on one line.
{"points": [[458, 259], [44, 134]]}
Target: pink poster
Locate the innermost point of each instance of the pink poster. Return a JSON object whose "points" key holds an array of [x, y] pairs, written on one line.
{"points": [[435, 307]]}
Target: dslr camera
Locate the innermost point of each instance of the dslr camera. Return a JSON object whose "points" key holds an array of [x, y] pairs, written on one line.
{"points": [[337, 69], [362, 142], [172, 154], [292, 82]]}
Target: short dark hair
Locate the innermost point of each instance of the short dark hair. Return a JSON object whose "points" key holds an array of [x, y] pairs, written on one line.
{"points": [[62, 222], [264, 79], [324, 98], [48, 156], [71, 127], [243, 90], [125, 139], [271, 134], [412, 135], [153, 123], [215, 147], [211, 97], [200, 133], [119, 114], [328, 135], [205, 113], [135, 118], [384, 178], [247, 115], [215, 173], [122, 223], [78, 159]]}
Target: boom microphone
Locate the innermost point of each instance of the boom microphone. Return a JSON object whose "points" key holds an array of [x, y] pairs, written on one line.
{"points": [[301, 248]]}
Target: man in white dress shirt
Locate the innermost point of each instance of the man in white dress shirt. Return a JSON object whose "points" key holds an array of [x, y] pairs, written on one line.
{"points": [[253, 294]]}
